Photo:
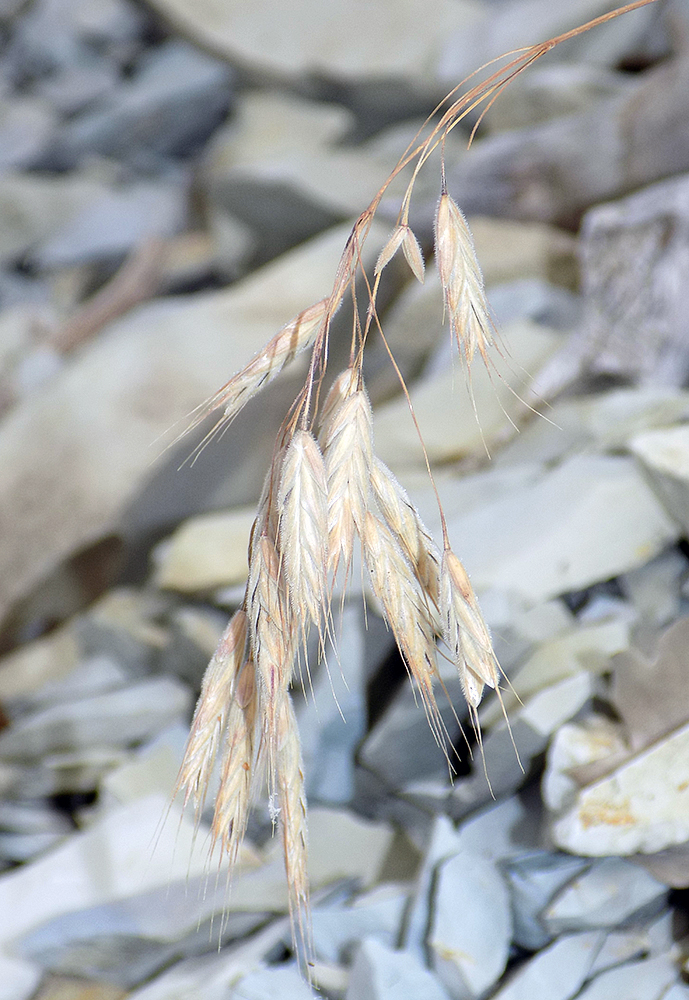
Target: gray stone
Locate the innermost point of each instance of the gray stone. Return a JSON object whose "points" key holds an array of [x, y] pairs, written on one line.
{"points": [[443, 842], [27, 125], [533, 880], [620, 947], [74, 88], [379, 973], [168, 108], [114, 718], [654, 588], [634, 272], [502, 831], [664, 455], [285, 982], [471, 925], [115, 223], [611, 892], [556, 973], [377, 915], [645, 980]]}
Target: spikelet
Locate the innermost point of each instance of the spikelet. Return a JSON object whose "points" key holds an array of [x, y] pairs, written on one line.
{"points": [[403, 237], [293, 338], [347, 436], [303, 526], [465, 631], [462, 281], [211, 714], [292, 819], [404, 520], [239, 767], [406, 610]]}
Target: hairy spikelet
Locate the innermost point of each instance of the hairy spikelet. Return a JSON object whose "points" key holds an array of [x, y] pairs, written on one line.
{"points": [[465, 631], [211, 714], [403, 237], [292, 804], [404, 521], [462, 281], [293, 338], [348, 446], [303, 526], [239, 767], [406, 610]]}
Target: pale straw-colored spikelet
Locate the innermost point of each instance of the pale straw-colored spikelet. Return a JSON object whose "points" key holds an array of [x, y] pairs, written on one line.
{"points": [[403, 237], [291, 798], [461, 281], [348, 447], [210, 716], [404, 520], [465, 631], [303, 526], [240, 767], [406, 610], [293, 338]]}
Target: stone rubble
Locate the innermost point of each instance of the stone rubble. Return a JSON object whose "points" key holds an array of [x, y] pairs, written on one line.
{"points": [[177, 181]]}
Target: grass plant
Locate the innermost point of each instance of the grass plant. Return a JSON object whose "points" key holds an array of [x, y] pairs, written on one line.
{"points": [[326, 492]]}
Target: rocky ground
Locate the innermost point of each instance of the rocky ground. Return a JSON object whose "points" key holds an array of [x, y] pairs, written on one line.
{"points": [[177, 180]]}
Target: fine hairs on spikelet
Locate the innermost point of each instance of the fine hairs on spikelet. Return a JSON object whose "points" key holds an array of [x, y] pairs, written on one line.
{"points": [[321, 497]]}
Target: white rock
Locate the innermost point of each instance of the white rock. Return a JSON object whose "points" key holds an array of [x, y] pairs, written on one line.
{"points": [[557, 972], [642, 807], [588, 520], [443, 843], [376, 915], [620, 947], [284, 982], [49, 659], [574, 745], [379, 973], [445, 410], [151, 769], [501, 831], [665, 456], [533, 880], [206, 551], [400, 40], [111, 860], [611, 892], [115, 718], [471, 925], [645, 980], [65, 489], [18, 979]]}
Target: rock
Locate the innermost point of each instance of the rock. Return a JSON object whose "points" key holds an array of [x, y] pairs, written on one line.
{"points": [[114, 224], [443, 842], [642, 806], [654, 588], [205, 552], [343, 846], [611, 892], [664, 454], [508, 250], [379, 973], [153, 768], [141, 376], [109, 861], [18, 979], [589, 519], [281, 169], [332, 722], [533, 880], [76, 88], [634, 271], [527, 22], [377, 915], [549, 173], [211, 976], [471, 925], [538, 300], [671, 867], [27, 125], [645, 980], [169, 108], [620, 947], [27, 669], [124, 625], [579, 745], [194, 637], [530, 731], [437, 396], [400, 41], [285, 982], [556, 973], [116, 718], [501, 831], [68, 988], [588, 647]]}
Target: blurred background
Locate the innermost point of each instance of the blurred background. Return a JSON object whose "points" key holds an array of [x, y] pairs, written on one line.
{"points": [[177, 181]]}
